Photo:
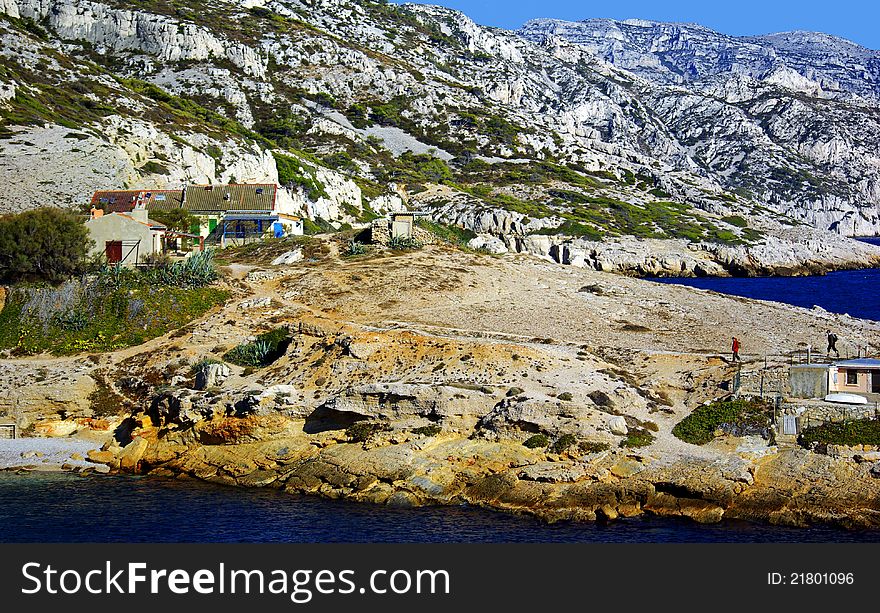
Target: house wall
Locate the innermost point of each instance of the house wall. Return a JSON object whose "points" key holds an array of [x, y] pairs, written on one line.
{"points": [[118, 228], [862, 386]]}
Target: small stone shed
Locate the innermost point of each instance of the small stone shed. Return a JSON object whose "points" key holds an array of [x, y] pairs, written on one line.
{"points": [[400, 225]]}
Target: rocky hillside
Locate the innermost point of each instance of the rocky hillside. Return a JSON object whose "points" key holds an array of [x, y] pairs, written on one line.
{"points": [[539, 137]]}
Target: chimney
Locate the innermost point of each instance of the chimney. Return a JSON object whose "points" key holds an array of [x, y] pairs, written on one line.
{"points": [[95, 213], [140, 215]]}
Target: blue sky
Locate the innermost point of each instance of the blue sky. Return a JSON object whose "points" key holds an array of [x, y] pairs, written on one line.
{"points": [[857, 20]]}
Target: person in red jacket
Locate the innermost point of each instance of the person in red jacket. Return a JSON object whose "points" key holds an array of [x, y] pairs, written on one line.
{"points": [[735, 348]]}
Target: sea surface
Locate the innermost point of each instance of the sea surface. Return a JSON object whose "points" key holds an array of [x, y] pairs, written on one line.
{"points": [[851, 292], [65, 507]]}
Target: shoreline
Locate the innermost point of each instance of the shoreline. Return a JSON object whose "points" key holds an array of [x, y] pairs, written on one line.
{"points": [[47, 454]]}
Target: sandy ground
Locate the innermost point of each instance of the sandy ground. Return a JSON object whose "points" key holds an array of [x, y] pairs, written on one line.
{"points": [[44, 453]]}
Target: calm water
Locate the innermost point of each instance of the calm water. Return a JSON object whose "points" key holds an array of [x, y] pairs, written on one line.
{"points": [[62, 507], [853, 292]]}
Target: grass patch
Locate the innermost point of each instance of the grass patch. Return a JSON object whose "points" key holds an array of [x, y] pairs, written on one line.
{"points": [[737, 417], [97, 318], [453, 235]]}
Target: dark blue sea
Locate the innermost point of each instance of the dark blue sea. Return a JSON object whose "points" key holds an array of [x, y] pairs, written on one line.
{"points": [[64, 507], [852, 292]]}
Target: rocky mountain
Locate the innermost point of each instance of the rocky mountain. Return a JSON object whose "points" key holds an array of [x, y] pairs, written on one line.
{"points": [[556, 133]]}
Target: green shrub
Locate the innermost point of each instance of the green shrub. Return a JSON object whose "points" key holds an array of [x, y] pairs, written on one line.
{"points": [[737, 417], [429, 430], [514, 391], [565, 396], [562, 444], [267, 348], [42, 245], [858, 432], [361, 431], [637, 437], [592, 447], [538, 441]]}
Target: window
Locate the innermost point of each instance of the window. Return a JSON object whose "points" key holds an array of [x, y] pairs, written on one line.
{"points": [[852, 377], [147, 195], [160, 197], [259, 190]]}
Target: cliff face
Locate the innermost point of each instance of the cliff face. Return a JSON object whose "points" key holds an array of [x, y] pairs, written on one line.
{"points": [[561, 127]]}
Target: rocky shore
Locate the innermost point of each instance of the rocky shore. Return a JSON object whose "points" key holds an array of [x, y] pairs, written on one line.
{"points": [[442, 377]]}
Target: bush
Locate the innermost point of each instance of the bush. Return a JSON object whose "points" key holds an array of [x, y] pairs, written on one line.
{"points": [[737, 417], [263, 351], [858, 432], [361, 431], [42, 245], [562, 444], [566, 396], [637, 437], [429, 430], [592, 447], [538, 441], [514, 391], [404, 243]]}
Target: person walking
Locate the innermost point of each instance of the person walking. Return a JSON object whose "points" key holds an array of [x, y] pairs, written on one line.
{"points": [[735, 349], [832, 344]]}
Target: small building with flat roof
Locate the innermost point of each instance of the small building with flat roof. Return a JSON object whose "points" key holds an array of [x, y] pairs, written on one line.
{"points": [[859, 376]]}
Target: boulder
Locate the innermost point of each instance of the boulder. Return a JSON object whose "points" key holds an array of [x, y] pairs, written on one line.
{"points": [[487, 242], [132, 453], [100, 457], [212, 375], [617, 425], [290, 257]]}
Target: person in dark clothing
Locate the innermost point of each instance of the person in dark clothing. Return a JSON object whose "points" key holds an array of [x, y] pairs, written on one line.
{"points": [[735, 349], [832, 344]]}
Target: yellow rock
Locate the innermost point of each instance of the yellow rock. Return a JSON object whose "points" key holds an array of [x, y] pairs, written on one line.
{"points": [[100, 457], [132, 453]]}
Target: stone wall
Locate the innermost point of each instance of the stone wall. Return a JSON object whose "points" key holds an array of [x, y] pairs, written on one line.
{"points": [[771, 381]]}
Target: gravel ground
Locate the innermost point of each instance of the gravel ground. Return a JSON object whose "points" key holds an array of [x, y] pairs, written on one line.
{"points": [[15, 453]]}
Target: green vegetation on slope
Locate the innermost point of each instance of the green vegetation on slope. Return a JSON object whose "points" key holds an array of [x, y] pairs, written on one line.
{"points": [[115, 308], [737, 417], [858, 432]]}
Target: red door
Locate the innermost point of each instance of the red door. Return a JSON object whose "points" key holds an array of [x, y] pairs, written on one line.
{"points": [[113, 249]]}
